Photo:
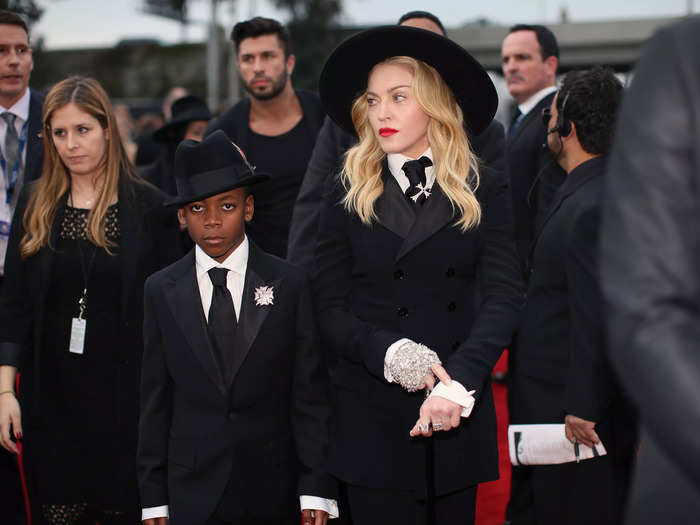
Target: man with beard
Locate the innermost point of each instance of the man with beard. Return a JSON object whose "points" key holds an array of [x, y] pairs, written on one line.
{"points": [[276, 126]]}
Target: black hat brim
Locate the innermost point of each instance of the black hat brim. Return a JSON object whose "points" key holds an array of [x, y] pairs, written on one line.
{"points": [[161, 134], [213, 183], [344, 76]]}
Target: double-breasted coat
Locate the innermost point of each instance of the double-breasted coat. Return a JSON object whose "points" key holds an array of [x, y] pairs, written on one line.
{"points": [[414, 274]]}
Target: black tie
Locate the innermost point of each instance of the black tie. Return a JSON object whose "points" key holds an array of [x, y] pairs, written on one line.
{"points": [[415, 171], [11, 144], [515, 120], [222, 322]]}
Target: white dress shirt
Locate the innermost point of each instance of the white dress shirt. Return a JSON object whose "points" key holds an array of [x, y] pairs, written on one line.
{"points": [[236, 264], [535, 99], [455, 392], [21, 111]]}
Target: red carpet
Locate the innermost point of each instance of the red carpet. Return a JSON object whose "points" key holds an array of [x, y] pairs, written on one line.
{"points": [[492, 497]]}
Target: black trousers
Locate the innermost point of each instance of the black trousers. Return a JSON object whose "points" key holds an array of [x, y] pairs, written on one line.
{"points": [[395, 507]]}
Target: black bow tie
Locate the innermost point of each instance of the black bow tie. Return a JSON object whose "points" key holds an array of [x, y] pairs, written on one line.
{"points": [[415, 171]]}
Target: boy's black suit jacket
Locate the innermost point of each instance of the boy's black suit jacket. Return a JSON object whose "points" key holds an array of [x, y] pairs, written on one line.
{"points": [[419, 277], [265, 428]]}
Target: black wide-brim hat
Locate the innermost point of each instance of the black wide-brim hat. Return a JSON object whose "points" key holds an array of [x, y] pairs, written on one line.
{"points": [[213, 166], [185, 109], [345, 74]]}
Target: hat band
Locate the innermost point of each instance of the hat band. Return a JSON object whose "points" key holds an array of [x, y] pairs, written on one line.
{"points": [[209, 182]]}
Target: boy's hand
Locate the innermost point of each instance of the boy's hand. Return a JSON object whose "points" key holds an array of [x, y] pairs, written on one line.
{"points": [[156, 521], [313, 517]]}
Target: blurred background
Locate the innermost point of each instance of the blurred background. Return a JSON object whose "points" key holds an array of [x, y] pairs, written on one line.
{"points": [[139, 49]]}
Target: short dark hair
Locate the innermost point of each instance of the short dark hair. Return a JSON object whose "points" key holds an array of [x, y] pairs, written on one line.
{"points": [[422, 14], [13, 19], [592, 99], [260, 26], [548, 42]]}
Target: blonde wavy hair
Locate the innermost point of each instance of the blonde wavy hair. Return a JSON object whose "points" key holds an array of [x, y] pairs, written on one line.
{"points": [[90, 97], [456, 166]]}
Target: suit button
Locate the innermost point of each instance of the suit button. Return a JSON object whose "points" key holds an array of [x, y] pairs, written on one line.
{"points": [[450, 272], [451, 307], [231, 415], [455, 345], [402, 312], [398, 274]]}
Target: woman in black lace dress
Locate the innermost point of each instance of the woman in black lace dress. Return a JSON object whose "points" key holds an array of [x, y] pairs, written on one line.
{"points": [[84, 239]]}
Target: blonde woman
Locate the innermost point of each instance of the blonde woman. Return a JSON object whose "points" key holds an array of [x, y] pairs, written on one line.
{"points": [[417, 284], [85, 237]]}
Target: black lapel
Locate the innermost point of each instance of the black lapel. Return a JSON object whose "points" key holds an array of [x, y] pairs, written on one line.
{"points": [[577, 178], [185, 304], [251, 315], [535, 115], [393, 210], [437, 211]]}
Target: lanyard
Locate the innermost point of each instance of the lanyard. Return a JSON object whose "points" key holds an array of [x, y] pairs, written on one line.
{"points": [[11, 178], [82, 301]]}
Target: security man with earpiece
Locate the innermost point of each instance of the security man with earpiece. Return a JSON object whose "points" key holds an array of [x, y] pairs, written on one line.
{"points": [[563, 376]]}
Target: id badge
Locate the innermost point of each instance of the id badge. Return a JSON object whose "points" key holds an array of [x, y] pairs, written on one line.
{"points": [[77, 336]]}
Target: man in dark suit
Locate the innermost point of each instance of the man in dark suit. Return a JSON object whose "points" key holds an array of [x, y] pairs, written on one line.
{"points": [[563, 375], [327, 158], [24, 150], [276, 126], [530, 57], [234, 392], [650, 272]]}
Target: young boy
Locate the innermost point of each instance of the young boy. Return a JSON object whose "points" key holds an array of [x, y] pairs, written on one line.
{"points": [[234, 391]]}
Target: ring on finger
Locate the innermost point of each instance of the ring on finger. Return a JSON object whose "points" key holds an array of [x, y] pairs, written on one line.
{"points": [[423, 427], [437, 426]]}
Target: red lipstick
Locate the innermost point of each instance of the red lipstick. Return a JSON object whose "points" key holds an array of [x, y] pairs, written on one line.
{"points": [[387, 132]]}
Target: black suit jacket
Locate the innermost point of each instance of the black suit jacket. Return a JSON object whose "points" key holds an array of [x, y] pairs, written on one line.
{"points": [[149, 241], [35, 144], [561, 342], [534, 177], [326, 162], [651, 271], [418, 278], [266, 429]]}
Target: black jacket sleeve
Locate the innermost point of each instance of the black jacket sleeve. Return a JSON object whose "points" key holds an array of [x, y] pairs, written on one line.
{"points": [[650, 250]]}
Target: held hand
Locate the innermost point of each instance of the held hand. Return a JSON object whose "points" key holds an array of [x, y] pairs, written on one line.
{"points": [[437, 413], [156, 521], [436, 372], [580, 430], [10, 416], [314, 517]]}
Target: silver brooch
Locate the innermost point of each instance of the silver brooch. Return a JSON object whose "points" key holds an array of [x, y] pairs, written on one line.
{"points": [[264, 296]]}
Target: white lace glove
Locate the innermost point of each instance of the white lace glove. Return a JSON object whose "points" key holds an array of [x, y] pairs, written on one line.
{"points": [[410, 364]]}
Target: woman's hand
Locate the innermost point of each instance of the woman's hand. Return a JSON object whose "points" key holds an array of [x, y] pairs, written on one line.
{"points": [[436, 371], [437, 413], [10, 416], [314, 517]]}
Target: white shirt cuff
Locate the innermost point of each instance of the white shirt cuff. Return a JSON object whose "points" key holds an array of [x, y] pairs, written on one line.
{"points": [[154, 512], [390, 355], [316, 503], [456, 393]]}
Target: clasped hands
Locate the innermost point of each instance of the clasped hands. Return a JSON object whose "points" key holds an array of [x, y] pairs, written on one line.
{"points": [[436, 413]]}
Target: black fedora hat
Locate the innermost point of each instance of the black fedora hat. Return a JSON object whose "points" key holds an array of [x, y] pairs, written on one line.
{"points": [[185, 109], [215, 165], [344, 76]]}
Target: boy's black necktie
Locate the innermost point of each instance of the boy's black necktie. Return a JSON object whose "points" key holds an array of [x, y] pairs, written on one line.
{"points": [[222, 322], [415, 171]]}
